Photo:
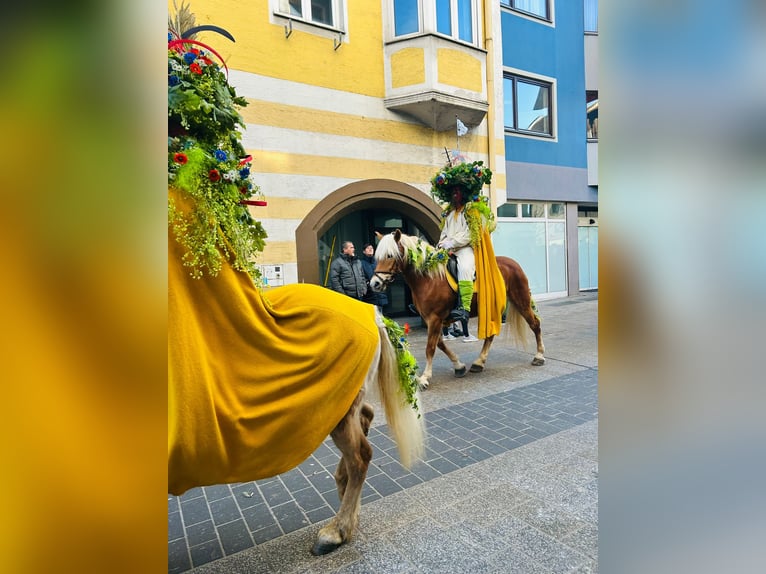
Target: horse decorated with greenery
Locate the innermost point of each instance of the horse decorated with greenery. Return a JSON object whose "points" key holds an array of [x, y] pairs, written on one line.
{"points": [[423, 268]]}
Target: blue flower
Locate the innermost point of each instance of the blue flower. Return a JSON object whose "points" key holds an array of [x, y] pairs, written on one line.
{"points": [[220, 155], [189, 57], [173, 80], [244, 172]]}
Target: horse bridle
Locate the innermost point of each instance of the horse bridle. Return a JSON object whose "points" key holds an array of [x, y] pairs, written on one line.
{"points": [[389, 275], [385, 280]]}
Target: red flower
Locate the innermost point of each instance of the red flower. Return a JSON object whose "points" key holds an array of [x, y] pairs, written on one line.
{"points": [[214, 175], [180, 158], [195, 68], [406, 328]]}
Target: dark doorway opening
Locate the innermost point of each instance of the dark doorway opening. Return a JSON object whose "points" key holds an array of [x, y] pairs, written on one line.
{"points": [[360, 227]]}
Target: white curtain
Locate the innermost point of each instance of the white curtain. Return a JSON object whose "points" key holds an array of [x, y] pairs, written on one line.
{"points": [[538, 7]]}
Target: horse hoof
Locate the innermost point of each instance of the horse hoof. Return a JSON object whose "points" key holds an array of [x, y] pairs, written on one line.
{"points": [[323, 547], [537, 362], [460, 373], [423, 384], [475, 368]]}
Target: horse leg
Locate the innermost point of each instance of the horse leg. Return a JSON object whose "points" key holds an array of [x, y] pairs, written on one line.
{"points": [[524, 308], [366, 414], [356, 453], [460, 368], [434, 335], [434, 323], [481, 361]]}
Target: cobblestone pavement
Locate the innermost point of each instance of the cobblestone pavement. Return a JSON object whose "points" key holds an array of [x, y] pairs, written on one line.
{"points": [[509, 482]]}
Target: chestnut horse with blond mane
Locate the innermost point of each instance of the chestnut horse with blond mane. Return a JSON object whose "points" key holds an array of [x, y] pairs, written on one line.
{"points": [[434, 298]]}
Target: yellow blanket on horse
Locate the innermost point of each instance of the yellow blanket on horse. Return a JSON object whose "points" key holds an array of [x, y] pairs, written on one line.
{"points": [[490, 289], [256, 382]]}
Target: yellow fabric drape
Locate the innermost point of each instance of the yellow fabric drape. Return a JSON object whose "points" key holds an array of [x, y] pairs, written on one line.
{"points": [[490, 287], [256, 382]]}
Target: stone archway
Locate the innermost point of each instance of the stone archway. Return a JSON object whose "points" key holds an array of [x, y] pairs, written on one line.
{"points": [[366, 194]]}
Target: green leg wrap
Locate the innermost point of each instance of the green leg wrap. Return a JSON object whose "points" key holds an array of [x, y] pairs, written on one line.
{"points": [[466, 292]]}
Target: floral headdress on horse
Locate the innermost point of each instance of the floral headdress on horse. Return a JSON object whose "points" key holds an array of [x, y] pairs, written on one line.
{"points": [[470, 178], [206, 160]]}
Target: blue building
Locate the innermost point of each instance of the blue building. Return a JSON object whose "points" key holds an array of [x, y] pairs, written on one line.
{"points": [[549, 222]]}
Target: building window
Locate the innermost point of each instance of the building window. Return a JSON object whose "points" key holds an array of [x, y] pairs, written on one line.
{"points": [[591, 114], [591, 16], [534, 234], [537, 8], [527, 105], [314, 11], [453, 18], [531, 210], [406, 17]]}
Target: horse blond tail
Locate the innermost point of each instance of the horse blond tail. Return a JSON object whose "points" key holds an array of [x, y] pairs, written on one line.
{"points": [[517, 327], [405, 423]]}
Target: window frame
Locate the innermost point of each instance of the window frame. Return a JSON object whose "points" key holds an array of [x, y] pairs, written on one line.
{"points": [[549, 83], [519, 203], [420, 23], [589, 94], [338, 15], [428, 24], [549, 7], [594, 12]]}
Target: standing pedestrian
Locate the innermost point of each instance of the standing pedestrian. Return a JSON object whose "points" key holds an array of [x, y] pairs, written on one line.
{"points": [[346, 273], [368, 265]]}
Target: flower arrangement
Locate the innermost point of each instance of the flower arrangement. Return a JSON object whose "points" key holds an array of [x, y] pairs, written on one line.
{"points": [[471, 177], [408, 366], [426, 258], [206, 160]]}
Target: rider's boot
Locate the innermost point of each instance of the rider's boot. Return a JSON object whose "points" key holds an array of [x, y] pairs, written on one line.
{"points": [[465, 293]]}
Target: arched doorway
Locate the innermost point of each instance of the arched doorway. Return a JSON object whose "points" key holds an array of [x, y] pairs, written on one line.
{"points": [[354, 212]]}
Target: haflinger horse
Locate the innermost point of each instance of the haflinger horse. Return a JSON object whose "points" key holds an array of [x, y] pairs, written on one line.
{"points": [[434, 298], [257, 380]]}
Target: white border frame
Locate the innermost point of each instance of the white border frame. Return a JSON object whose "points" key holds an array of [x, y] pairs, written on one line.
{"points": [[554, 137]]}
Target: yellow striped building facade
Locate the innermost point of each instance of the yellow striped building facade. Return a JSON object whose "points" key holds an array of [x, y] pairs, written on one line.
{"points": [[349, 117]]}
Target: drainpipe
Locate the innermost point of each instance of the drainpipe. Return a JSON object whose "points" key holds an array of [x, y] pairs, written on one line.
{"points": [[489, 46]]}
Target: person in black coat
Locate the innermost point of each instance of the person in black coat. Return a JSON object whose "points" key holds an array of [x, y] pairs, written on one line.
{"points": [[346, 273], [368, 265]]}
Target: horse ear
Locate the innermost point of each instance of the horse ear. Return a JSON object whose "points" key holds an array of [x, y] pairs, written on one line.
{"points": [[379, 235], [397, 235]]}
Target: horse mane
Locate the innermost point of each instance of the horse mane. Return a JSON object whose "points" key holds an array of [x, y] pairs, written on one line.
{"points": [[417, 254]]}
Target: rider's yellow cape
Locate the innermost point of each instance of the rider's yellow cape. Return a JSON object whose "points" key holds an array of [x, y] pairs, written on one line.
{"points": [[256, 381], [490, 287]]}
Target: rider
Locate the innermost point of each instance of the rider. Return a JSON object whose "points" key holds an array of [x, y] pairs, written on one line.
{"points": [[464, 221]]}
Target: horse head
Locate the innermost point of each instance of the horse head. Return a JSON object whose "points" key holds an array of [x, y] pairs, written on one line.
{"points": [[389, 255]]}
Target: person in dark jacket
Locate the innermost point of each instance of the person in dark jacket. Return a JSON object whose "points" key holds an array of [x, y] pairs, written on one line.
{"points": [[368, 265], [346, 273]]}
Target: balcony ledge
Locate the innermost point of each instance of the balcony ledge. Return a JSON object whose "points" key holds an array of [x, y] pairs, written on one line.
{"points": [[438, 110]]}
